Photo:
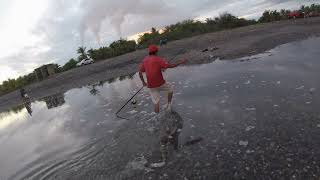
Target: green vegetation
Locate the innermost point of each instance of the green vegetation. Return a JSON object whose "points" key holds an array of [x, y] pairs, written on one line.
{"points": [[116, 48], [190, 28], [172, 32]]}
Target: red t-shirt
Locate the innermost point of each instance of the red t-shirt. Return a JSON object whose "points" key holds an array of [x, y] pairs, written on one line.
{"points": [[152, 66]]}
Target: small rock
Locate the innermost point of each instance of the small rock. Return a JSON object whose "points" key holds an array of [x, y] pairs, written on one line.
{"points": [[247, 168], [249, 151], [197, 164], [249, 128], [318, 125], [248, 82], [276, 105], [301, 87], [132, 112], [250, 109], [312, 90], [278, 82], [243, 143], [308, 102]]}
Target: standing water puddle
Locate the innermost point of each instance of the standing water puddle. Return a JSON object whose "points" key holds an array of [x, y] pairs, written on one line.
{"points": [[258, 118]]}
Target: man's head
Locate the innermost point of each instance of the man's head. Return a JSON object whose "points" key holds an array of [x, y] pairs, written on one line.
{"points": [[153, 49]]}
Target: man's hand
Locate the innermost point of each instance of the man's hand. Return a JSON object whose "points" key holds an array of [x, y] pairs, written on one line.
{"points": [[144, 84], [183, 61]]}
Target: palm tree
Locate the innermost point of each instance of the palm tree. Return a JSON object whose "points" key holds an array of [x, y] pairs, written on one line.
{"points": [[82, 53]]}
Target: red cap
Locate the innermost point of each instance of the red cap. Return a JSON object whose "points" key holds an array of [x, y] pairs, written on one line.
{"points": [[153, 48]]}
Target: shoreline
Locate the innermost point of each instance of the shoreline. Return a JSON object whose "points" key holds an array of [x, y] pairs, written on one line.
{"points": [[232, 44]]}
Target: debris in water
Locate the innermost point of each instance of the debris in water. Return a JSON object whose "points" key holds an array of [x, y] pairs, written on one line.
{"points": [[308, 102], [197, 164], [205, 50], [312, 90], [224, 82], [276, 105], [249, 151], [243, 143], [301, 87], [278, 82], [193, 141], [318, 125], [248, 82], [138, 164], [249, 128], [134, 102], [213, 48], [143, 112], [250, 109], [132, 112], [157, 165]]}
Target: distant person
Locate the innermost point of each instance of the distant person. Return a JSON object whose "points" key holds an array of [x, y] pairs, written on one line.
{"points": [[153, 65], [163, 42]]}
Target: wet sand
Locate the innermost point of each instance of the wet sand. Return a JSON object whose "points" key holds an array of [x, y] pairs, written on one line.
{"points": [[232, 44]]}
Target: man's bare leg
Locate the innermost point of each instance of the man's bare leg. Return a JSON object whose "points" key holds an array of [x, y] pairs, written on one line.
{"points": [[170, 95], [157, 107]]}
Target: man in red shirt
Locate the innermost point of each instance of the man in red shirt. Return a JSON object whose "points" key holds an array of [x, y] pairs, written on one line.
{"points": [[153, 65]]}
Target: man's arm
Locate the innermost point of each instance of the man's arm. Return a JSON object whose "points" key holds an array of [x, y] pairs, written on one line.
{"points": [[141, 70], [177, 64], [142, 79]]}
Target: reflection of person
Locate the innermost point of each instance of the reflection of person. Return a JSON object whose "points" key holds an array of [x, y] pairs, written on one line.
{"points": [[152, 66], [170, 127], [26, 100]]}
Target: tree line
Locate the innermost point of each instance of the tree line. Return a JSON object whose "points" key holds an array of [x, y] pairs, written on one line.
{"points": [[172, 32]]}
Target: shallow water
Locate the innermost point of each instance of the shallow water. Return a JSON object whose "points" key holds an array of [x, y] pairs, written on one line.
{"points": [[259, 118]]}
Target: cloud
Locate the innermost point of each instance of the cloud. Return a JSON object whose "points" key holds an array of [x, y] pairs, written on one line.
{"points": [[65, 25]]}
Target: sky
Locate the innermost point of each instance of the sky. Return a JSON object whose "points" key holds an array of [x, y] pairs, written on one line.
{"points": [[37, 32]]}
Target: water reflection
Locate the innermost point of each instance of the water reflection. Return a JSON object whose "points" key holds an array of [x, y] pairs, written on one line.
{"points": [[246, 110], [54, 100]]}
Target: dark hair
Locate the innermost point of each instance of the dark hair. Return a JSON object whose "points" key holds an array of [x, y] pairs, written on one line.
{"points": [[153, 53]]}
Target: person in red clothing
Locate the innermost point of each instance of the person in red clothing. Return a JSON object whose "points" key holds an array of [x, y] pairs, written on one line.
{"points": [[153, 65]]}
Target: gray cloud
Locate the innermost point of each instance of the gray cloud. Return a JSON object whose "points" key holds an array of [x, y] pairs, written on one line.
{"points": [[67, 25]]}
